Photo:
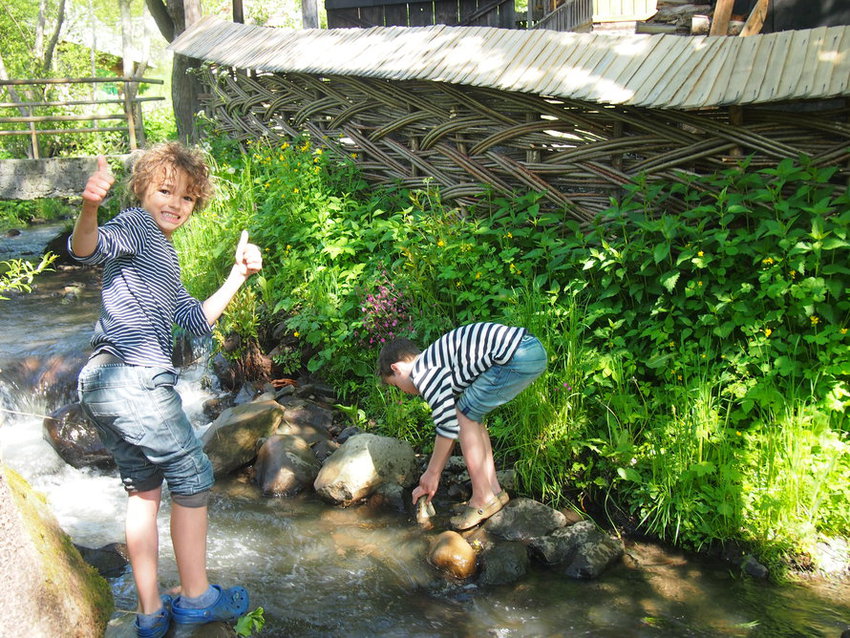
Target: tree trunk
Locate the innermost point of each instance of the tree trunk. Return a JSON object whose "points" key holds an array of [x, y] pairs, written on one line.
{"points": [[172, 19]]}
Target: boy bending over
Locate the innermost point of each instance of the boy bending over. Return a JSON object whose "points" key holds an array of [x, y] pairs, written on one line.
{"points": [[127, 386], [463, 375]]}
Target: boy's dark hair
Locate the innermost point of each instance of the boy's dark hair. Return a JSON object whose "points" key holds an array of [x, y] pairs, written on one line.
{"points": [[160, 160], [400, 349]]}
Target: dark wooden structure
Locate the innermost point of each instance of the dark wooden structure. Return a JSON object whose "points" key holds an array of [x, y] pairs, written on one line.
{"points": [[387, 13]]}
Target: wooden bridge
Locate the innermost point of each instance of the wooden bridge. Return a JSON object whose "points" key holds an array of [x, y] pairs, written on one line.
{"points": [[36, 120]]}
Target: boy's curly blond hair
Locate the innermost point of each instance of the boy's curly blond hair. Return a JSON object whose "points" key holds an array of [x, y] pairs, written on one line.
{"points": [[158, 162]]}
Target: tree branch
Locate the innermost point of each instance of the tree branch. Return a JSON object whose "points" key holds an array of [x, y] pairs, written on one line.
{"points": [[162, 18]]}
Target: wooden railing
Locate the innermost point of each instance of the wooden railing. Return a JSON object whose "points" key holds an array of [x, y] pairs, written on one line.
{"points": [[130, 112]]}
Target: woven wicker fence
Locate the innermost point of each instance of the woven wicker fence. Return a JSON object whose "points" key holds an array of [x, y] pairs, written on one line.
{"points": [[476, 141]]}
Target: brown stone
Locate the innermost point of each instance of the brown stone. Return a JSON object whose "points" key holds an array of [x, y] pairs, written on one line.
{"points": [[48, 588]]}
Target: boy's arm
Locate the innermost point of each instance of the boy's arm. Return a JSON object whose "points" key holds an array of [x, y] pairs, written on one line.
{"points": [[84, 237], [248, 261], [430, 479]]}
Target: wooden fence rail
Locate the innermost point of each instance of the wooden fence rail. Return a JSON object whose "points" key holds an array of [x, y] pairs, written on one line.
{"points": [[130, 111]]}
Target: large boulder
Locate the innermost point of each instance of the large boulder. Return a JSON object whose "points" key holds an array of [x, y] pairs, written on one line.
{"points": [[453, 555], [233, 438], [285, 465], [523, 519], [49, 589], [75, 439], [582, 550], [362, 464]]}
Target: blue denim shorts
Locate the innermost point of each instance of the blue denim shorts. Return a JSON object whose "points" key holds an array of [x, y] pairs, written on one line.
{"points": [[139, 417], [501, 383]]}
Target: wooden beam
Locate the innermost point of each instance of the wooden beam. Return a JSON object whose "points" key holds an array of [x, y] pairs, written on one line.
{"points": [[756, 20], [720, 19]]}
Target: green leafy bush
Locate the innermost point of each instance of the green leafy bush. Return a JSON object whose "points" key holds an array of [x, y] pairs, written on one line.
{"points": [[697, 333]]}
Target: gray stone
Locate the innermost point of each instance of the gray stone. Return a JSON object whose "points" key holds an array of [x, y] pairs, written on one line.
{"points": [[362, 464], [504, 563], [583, 550], [523, 519], [232, 439], [285, 465]]}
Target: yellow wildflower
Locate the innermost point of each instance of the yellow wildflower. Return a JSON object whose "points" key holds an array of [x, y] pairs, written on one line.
{"points": [[814, 319], [768, 332]]}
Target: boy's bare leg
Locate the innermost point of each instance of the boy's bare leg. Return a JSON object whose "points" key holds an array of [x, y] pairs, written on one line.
{"points": [[189, 537], [490, 463], [143, 546], [478, 455]]}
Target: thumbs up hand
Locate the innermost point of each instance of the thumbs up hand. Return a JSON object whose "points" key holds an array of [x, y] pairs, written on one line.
{"points": [[249, 259], [99, 183]]}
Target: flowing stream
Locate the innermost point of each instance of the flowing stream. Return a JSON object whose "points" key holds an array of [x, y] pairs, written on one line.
{"points": [[324, 571]]}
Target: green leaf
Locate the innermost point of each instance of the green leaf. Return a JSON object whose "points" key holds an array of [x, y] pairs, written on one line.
{"points": [[661, 252], [670, 279], [628, 474]]}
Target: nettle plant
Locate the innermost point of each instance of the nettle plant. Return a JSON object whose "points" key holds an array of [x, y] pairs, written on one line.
{"points": [[752, 276]]}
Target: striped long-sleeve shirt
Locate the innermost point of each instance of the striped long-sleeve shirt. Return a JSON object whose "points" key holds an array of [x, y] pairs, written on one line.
{"points": [[454, 361], [142, 295]]}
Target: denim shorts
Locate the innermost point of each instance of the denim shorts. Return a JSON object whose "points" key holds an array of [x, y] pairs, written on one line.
{"points": [[139, 417], [501, 383]]}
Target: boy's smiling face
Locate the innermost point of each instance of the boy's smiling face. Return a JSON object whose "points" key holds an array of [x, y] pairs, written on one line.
{"points": [[168, 200]]}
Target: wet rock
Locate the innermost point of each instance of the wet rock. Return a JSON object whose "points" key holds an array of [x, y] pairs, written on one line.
{"points": [[324, 448], [389, 496], [48, 589], [752, 567], [306, 419], [347, 433], [232, 439], [504, 563], [362, 464], [453, 555], [123, 627], [75, 439], [523, 519], [225, 372], [317, 392], [583, 550], [285, 465], [213, 408], [110, 560]]}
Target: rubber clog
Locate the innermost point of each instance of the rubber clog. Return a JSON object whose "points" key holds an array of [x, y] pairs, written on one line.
{"points": [[163, 621], [231, 604], [473, 516], [503, 497]]}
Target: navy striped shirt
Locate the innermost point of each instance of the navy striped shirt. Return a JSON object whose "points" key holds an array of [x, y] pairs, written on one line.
{"points": [[142, 295], [454, 361]]}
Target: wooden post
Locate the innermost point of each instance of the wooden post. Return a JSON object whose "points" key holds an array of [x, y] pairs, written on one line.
{"points": [[756, 20], [238, 13], [129, 115], [309, 14], [720, 19], [33, 135]]}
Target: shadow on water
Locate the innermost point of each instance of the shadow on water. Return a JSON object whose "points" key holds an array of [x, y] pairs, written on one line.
{"points": [[360, 572]]}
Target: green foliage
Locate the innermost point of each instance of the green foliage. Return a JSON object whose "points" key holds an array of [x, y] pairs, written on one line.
{"points": [[697, 334], [16, 275], [250, 622]]}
